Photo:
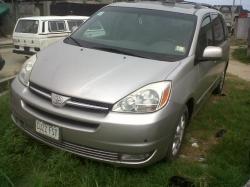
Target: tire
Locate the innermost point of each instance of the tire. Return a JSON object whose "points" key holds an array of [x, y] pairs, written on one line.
{"points": [[219, 89], [177, 138]]}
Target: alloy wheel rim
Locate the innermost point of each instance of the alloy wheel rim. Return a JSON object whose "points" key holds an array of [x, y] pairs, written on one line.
{"points": [[178, 135]]}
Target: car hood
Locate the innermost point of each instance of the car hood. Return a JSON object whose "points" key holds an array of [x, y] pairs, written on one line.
{"points": [[93, 74]]}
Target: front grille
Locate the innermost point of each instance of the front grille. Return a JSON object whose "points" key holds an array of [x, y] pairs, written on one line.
{"points": [[77, 103], [60, 119], [74, 148]]}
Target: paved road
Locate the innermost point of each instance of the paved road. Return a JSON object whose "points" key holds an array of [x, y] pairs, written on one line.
{"points": [[13, 62]]}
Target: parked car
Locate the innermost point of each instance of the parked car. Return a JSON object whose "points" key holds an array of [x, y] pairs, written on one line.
{"points": [[2, 62], [125, 94], [32, 34]]}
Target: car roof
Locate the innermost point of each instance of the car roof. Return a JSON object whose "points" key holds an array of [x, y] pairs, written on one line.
{"points": [[185, 7], [54, 17]]}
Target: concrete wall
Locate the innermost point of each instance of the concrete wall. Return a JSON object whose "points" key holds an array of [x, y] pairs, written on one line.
{"points": [[22, 9], [243, 24], [25, 9], [6, 23]]}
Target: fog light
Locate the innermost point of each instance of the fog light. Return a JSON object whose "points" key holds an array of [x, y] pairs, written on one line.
{"points": [[134, 157]]}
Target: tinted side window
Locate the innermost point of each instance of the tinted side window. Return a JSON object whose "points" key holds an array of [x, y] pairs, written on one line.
{"points": [[205, 36], [57, 26], [218, 29]]}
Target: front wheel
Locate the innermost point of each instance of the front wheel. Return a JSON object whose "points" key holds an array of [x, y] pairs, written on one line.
{"points": [[175, 145]]}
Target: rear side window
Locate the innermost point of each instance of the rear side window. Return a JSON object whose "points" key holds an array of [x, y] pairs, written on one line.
{"points": [[57, 26], [74, 23], [27, 26], [205, 36], [218, 28]]}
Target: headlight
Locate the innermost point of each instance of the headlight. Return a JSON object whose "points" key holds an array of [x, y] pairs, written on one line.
{"points": [[24, 75], [147, 99]]}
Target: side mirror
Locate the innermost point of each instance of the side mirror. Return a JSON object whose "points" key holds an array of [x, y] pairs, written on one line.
{"points": [[2, 62], [74, 28], [212, 53]]}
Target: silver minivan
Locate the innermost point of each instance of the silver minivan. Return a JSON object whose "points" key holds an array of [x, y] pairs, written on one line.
{"points": [[122, 88]]}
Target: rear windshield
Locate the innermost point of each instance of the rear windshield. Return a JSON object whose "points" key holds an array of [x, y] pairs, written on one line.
{"points": [[27, 26]]}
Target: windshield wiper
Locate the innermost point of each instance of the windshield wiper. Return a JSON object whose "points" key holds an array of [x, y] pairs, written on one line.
{"points": [[70, 37], [109, 49]]}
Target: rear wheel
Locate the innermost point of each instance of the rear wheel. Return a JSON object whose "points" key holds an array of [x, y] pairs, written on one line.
{"points": [[175, 145]]}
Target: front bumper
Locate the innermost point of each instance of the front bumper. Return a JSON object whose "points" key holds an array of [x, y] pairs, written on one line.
{"points": [[105, 137]]}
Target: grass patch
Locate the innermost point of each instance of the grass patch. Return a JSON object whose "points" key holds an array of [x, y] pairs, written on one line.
{"points": [[241, 55], [25, 162], [238, 42]]}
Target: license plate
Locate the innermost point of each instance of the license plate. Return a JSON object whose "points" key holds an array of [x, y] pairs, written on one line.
{"points": [[47, 129]]}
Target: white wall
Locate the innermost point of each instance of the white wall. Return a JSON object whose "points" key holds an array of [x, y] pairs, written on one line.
{"points": [[242, 27]]}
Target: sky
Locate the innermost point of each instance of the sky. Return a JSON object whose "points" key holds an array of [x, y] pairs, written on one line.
{"points": [[245, 3]]}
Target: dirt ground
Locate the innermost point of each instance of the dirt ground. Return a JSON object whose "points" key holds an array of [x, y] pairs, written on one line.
{"points": [[13, 62], [237, 68]]}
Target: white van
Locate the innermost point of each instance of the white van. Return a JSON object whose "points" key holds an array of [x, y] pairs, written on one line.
{"points": [[32, 34]]}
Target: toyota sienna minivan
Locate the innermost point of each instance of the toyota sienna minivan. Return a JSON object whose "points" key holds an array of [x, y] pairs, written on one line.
{"points": [[122, 88]]}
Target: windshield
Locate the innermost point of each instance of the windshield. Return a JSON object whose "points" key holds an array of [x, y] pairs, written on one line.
{"points": [[27, 26], [140, 32]]}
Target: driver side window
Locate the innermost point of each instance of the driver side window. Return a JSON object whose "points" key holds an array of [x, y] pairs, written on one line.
{"points": [[205, 37]]}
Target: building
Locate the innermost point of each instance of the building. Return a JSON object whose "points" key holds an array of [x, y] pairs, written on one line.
{"points": [[242, 26], [231, 13], [237, 19]]}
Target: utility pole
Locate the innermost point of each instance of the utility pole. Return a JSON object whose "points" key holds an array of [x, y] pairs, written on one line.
{"points": [[232, 20], [248, 43], [233, 3], [233, 10]]}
